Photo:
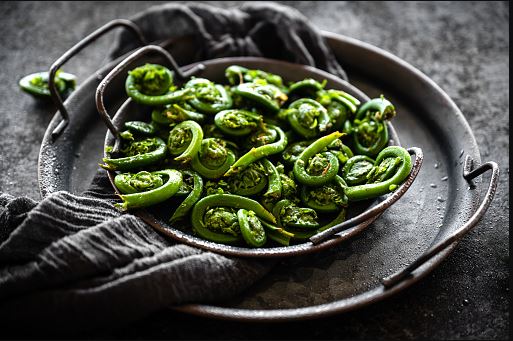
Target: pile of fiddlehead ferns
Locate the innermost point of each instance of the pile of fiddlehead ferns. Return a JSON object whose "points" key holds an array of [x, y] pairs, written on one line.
{"points": [[254, 161]]}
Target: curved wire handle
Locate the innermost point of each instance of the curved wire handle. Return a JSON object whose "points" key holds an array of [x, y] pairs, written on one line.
{"points": [[122, 67], [379, 208], [54, 94], [468, 174]]}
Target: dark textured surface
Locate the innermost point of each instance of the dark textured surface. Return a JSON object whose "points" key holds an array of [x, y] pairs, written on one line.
{"points": [[463, 47]]}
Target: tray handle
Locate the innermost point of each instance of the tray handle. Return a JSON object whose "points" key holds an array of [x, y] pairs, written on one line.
{"points": [[468, 174], [72, 52], [379, 208], [122, 67]]}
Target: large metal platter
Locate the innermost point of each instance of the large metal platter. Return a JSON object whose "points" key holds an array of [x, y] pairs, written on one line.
{"points": [[347, 276]]}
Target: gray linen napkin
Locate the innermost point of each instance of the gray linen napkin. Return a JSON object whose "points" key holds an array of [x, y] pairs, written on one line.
{"points": [[74, 262]]}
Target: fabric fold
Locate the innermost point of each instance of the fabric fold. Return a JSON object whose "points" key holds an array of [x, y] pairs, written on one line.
{"points": [[256, 29]]}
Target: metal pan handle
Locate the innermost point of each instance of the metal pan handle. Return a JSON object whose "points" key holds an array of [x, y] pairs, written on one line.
{"points": [[72, 52], [468, 174], [122, 67], [379, 208]]}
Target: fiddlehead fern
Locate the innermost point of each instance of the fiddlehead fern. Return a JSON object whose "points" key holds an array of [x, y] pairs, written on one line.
{"points": [[172, 114], [288, 214], [145, 189], [392, 167], [152, 84], [213, 159], [251, 228], [237, 122], [264, 135], [262, 94], [307, 117], [195, 194], [336, 98], [36, 84], [209, 98], [306, 87], [257, 153], [329, 197], [252, 180], [315, 168], [214, 217], [141, 128], [369, 128], [238, 74], [138, 154], [356, 169], [248, 118], [184, 141]]}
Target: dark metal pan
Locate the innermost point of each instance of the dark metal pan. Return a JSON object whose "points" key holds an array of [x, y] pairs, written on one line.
{"points": [[214, 70], [443, 203]]}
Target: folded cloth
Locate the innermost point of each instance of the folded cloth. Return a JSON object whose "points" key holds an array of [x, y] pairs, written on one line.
{"points": [[73, 262], [255, 29]]}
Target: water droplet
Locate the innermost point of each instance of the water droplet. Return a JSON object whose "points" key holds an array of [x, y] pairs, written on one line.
{"points": [[440, 199], [436, 165], [445, 178], [465, 302], [432, 185]]}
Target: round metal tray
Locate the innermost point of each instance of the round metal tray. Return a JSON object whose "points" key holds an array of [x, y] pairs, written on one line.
{"points": [[415, 234]]}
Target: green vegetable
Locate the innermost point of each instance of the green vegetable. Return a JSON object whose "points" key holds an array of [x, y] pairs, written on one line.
{"points": [[392, 167], [213, 159], [254, 162], [265, 95], [185, 141], [259, 152], [151, 84], [315, 168], [36, 84], [308, 118], [369, 128], [146, 189], [209, 98], [222, 227], [195, 194], [237, 122], [251, 228], [237, 75], [139, 154]]}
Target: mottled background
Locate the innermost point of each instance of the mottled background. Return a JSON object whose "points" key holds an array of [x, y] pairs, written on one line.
{"points": [[462, 46]]}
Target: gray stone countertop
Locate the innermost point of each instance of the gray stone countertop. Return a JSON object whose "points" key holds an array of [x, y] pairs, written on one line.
{"points": [[462, 46]]}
